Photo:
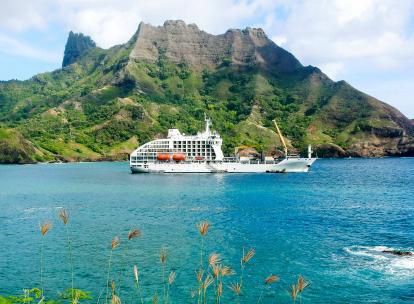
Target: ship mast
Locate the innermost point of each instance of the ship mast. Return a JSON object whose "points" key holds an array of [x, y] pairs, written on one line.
{"points": [[281, 137], [208, 123]]}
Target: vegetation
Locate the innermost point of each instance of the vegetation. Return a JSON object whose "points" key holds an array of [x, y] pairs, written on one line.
{"points": [[105, 103], [210, 278]]}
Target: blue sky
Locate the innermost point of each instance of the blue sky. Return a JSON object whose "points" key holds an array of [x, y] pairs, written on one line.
{"points": [[368, 43]]}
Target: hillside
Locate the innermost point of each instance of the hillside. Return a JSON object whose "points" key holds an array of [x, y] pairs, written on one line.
{"points": [[104, 102]]}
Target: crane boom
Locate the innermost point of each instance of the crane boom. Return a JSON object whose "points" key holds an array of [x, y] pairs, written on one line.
{"points": [[281, 137]]}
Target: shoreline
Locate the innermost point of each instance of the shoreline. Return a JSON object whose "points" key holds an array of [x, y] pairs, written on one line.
{"points": [[121, 161]]}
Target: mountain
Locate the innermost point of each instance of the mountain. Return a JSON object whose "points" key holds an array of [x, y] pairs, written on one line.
{"points": [[104, 102], [76, 46]]}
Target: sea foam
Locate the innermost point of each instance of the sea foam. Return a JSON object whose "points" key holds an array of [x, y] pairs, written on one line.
{"points": [[375, 258]]}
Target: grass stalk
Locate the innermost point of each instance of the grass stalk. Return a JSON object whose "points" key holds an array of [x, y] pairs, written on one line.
{"points": [[171, 279], [107, 276], [137, 284], [41, 268], [70, 259], [213, 274], [64, 216], [163, 260], [114, 244], [43, 230], [202, 229]]}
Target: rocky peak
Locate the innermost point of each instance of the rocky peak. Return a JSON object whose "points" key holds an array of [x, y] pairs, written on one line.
{"points": [[179, 42], [76, 45]]}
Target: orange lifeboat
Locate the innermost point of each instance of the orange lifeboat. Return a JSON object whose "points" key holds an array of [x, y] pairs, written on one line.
{"points": [[198, 157], [178, 157], [163, 157]]}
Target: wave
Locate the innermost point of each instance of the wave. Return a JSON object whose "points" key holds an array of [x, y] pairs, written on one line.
{"points": [[375, 258], [41, 209]]}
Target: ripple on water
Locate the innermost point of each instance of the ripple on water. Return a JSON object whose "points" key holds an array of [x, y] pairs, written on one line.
{"points": [[323, 225]]}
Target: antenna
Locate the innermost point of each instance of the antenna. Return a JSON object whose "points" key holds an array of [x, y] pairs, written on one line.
{"points": [[310, 151], [281, 137], [208, 122]]}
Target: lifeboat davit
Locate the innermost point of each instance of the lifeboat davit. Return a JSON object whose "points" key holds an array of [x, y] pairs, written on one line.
{"points": [[163, 157], [179, 157]]}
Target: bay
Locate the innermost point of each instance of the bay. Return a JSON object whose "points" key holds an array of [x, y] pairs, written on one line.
{"points": [[329, 225]]}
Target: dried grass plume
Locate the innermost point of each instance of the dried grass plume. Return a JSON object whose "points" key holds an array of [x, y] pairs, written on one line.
{"points": [[171, 277], [236, 288], [248, 256], [133, 234], [115, 242], [271, 279], [64, 216], [199, 275], [203, 227], [302, 283], [294, 291], [115, 299], [136, 273], [214, 259], [226, 271], [45, 228], [163, 256]]}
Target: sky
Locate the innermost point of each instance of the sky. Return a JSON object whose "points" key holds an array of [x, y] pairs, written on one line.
{"points": [[368, 43]]}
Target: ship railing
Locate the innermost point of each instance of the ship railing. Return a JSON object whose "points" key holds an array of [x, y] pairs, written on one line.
{"points": [[293, 156], [229, 159]]}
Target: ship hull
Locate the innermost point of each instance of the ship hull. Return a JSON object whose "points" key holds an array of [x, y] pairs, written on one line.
{"points": [[295, 165]]}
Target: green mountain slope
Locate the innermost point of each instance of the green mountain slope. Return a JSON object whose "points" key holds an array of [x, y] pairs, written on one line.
{"points": [[103, 103]]}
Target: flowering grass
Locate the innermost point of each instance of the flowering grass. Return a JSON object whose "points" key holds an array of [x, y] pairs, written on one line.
{"points": [[212, 278]]}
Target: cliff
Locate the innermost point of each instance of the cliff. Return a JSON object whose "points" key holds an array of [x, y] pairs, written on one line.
{"points": [[76, 46]]}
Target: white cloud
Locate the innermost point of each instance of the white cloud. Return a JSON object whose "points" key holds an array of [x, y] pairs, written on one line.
{"points": [[114, 22], [332, 69], [279, 40], [397, 92], [9, 45], [342, 37], [19, 15], [317, 31], [320, 32], [111, 22]]}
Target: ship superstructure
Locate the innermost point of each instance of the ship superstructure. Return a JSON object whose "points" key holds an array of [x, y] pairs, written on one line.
{"points": [[201, 153]]}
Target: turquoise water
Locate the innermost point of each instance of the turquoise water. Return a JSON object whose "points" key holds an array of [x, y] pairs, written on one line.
{"points": [[329, 225]]}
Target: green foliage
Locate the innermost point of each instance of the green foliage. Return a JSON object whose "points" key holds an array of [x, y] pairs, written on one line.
{"points": [[78, 293], [114, 132], [77, 112], [99, 113], [5, 300], [33, 295], [28, 296]]}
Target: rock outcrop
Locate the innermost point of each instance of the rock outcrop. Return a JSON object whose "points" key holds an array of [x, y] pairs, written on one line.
{"points": [[398, 252], [179, 42], [329, 150], [76, 46]]}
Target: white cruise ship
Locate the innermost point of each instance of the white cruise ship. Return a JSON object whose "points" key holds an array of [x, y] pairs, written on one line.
{"points": [[201, 153]]}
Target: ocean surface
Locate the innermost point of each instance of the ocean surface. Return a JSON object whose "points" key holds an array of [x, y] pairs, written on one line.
{"points": [[330, 225]]}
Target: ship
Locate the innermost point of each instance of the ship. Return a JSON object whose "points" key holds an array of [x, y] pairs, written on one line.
{"points": [[201, 153]]}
